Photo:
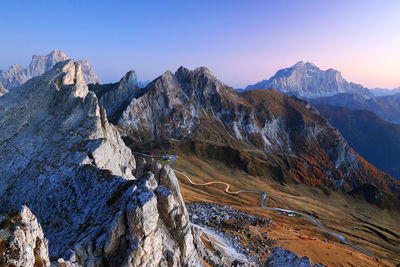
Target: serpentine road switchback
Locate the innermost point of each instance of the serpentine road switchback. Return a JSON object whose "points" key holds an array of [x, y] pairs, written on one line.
{"points": [[263, 197]]}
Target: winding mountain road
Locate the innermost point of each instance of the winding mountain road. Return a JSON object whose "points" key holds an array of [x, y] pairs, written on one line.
{"points": [[263, 197]]}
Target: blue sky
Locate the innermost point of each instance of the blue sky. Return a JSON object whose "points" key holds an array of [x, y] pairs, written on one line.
{"points": [[242, 42]]}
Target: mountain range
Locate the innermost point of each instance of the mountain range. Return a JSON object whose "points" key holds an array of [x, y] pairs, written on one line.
{"points": [[386, 107], [306, 80], [17, 75], [384, 92], [81, 186], [195, 105]]}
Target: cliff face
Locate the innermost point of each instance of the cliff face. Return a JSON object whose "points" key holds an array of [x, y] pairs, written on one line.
{"points": [[191, 105], [307, 80], [116, 96], [65, 162], [16, 75]]}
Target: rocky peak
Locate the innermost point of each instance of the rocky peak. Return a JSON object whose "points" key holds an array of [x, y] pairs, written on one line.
{"points": [[115, 97], [187, 91], [88, 72], [305, 79], [304, 65], [41, 64], [16, 75], [16, 68], [129, 79]]}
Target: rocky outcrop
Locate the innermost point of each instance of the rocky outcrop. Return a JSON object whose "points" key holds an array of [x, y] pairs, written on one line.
{"points": [[244, 234], [115, 97], [16, 75], [22, 242], [307, 80], [286, 258], [195, 105], [63, 160]]}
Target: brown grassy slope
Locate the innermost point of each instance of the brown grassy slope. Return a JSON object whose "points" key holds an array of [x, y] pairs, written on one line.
{"points": [[363, 224]]}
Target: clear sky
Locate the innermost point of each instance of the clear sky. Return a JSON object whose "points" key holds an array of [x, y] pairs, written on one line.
{"points": [[242, 42]]}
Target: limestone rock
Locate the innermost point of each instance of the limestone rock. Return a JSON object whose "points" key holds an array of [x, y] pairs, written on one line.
{"points": [[22, 240]]}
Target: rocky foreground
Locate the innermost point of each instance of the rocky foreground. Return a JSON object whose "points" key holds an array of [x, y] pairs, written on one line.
{"points": [[69, 194]]}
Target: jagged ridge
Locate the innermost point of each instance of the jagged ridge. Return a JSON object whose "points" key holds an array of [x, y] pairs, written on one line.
{"points": [[65, 162], [191, 105]]}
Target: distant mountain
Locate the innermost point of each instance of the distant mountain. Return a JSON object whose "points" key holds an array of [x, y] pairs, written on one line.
{"points": [[384, 92], [387, 107], [375, 139], [17, 75], [115, 97], [262, 131], [307, 80], [143, 84]]}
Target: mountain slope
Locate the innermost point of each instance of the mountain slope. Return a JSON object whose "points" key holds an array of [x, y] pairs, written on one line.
{"points": [[116, 96], [16, 75], [375, 139], [386, 107], [297, 142], [64, 166], [307, 80]]}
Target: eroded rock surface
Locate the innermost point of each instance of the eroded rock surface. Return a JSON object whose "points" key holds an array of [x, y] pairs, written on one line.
{"points": [[22, 242]]}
